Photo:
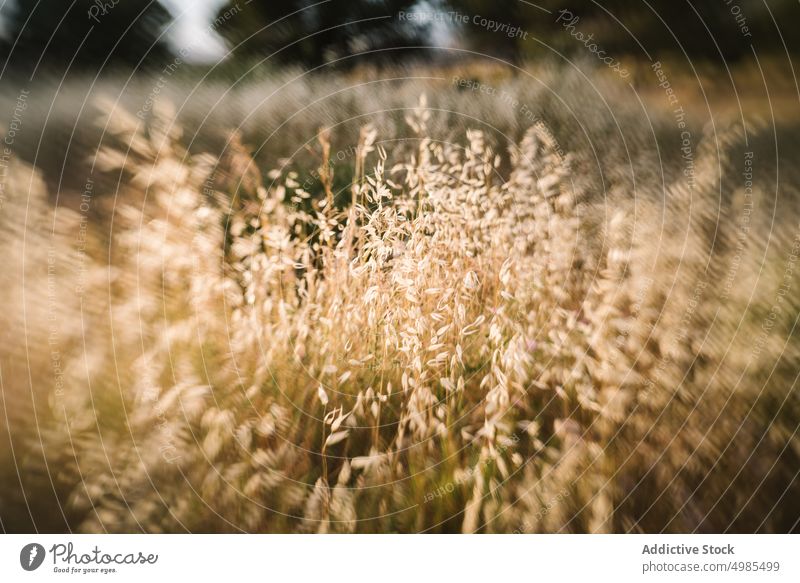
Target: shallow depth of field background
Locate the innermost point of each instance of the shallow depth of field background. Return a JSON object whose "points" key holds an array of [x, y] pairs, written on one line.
{"points": [[399, 266]]}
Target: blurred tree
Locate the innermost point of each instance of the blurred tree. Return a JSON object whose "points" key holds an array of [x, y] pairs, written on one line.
{"points": [[309, 33], [517, 15], [80, 35], [702, 30]]}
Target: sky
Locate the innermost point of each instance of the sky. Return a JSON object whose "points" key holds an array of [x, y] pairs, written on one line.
{"points": [[190, 30]]}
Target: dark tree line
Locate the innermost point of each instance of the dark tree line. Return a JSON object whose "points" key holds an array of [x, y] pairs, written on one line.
{"points": [[314, 33], [53, 36], [300, 31], [84, 34]]}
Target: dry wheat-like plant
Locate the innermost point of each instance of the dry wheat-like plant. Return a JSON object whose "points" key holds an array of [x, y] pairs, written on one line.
{"points": [[450, 349]]}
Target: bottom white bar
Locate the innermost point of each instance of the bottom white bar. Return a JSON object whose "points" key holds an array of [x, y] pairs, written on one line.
{"points": [[400, 558]]}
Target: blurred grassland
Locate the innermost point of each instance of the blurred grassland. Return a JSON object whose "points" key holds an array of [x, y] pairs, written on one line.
{"points": [[370, 311]]}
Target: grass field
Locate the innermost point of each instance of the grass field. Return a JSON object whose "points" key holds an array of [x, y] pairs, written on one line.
{"points": [[443, 300]]}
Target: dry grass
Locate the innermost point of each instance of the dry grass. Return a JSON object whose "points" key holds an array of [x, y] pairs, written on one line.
{"points": [[463, 340]]}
